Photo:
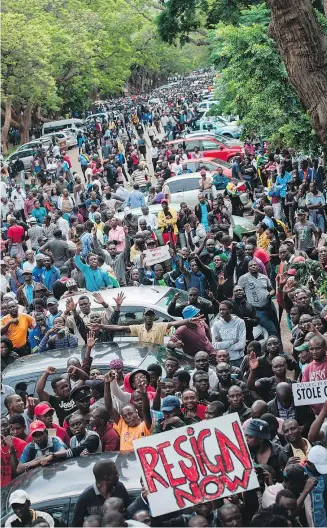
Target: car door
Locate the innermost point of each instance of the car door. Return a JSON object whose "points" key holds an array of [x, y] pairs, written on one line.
{"points": [[213, 149], [191, 191], [26, 156], [191, 144], [176, 189]]}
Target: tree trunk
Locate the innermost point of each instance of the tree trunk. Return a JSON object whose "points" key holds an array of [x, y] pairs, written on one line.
{"points": [[6, 126], [303, 48], [325, 7], [25, 125]]}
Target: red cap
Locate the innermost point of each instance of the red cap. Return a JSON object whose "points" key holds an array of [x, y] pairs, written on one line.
{"points": [[164, 200], [42, 408], [36, 426]]}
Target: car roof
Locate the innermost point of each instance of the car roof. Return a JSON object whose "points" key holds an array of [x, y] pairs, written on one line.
{"points": [[152, 294], [133, 355], [202, 136], [70, 478], [154, 208], [217, 161]]}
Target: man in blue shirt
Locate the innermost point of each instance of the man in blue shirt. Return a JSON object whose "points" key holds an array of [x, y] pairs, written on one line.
{"points": [[37, 333], [95, 278], [39, 270], [316, 466], [236, 169], [51, 273], [39, 450], [136, 198]]}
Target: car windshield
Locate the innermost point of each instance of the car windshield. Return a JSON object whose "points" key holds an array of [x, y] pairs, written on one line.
{"points": [[222, 163], [166, 299]]}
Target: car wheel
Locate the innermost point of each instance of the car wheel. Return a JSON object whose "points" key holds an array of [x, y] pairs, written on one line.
{"points": [[230, 160]]}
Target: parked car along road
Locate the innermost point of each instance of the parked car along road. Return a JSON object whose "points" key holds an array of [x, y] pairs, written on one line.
{"points": [[25, 155], [219, 125], [54, 489], [230, 142], [210, 147]]}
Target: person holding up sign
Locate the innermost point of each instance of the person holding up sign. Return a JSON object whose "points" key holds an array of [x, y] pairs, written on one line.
{"points": [[317, 369]]}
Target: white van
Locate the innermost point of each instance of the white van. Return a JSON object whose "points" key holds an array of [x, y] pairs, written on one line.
{"points": [[55, 126]]}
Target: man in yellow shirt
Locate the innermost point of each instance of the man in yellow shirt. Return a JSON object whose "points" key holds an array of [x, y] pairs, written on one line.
{"points": [[16, 326], [128, 425], [149, 332]]}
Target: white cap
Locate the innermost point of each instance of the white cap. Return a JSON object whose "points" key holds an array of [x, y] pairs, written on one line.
{"points": [[18, 497], [318, 456], [32, 220], [127, 210]]}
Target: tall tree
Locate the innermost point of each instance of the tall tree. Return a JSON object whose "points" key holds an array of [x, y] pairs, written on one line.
{"points": [[303, 48]]}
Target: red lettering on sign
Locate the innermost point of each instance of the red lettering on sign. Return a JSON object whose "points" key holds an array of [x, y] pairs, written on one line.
{"points": [[172, 481], [219, 468], [232, 485], [194, 497], [195, 447], [191, 473], [148, 468], [212, 480], [240, 451]]}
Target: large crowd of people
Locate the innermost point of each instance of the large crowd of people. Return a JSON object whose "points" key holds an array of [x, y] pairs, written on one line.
{"points": [[73, 235]]}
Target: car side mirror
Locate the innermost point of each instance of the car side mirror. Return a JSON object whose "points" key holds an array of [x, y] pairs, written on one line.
{"points": [[221, 147]]}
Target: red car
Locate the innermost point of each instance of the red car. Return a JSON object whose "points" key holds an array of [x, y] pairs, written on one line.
{"points": [[209, 147], [211, 164]]}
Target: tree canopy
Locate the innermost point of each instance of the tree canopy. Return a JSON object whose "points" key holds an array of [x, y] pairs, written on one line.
{"points": [[56, 55]]}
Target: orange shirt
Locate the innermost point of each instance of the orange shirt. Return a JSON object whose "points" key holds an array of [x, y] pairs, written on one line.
{"points": [[129, 434], [17, 333]]}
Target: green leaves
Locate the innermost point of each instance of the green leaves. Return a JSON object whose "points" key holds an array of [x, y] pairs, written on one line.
{"points": [[254, 84]]}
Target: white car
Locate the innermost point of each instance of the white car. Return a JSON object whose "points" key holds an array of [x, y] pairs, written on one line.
{"points": [[68, 136], [46, 144], [25, 155], [185, 188], [205, 105], [136, 300]]}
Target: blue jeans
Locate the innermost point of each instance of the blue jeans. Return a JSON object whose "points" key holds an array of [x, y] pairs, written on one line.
{"points": [[319, 220], [268, 319]]}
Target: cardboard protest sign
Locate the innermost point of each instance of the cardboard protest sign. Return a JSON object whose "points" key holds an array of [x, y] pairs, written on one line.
{"points": [[157, 255], [309, 392], [194, 464]]}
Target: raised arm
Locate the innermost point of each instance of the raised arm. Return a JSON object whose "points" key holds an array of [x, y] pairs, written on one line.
{"points": [[113, 413], [42, 394], [187, 322], [145, 404], [315, 429]]}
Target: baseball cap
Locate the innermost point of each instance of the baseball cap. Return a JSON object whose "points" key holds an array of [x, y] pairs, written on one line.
{"points": [[26, 272], [190, 311], [169, 403], [164, 201], [289, 240], [318, 456], [36, 426], [42, 408], [258, 429], [127, 211], [301, 211], [18, 497], [52, 300], [39, 256], [149, 310], [304, 346], [31, 220], [83, 392], [240, 245]]}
